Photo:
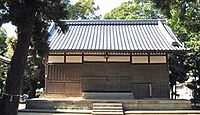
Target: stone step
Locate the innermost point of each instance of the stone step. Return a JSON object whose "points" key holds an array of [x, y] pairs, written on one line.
{"points": [[107, 113], [107, 108], [57, 111], [107, 104], [104, 110], [163, 112]]}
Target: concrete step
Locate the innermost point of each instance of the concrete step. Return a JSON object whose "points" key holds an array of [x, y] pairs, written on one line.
{"points": [[107, 113], [107, 104], [57, 111], [104, 110], [163, 112], [107, 108]]}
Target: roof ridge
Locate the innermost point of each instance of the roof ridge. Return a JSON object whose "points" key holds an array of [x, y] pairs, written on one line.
{"points": [[114, 22]]}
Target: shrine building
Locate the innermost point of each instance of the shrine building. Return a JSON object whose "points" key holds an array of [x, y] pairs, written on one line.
{"points": [[110, 56]]}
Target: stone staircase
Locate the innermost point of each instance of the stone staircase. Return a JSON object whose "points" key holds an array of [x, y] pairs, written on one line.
{"points": [[107, 109]]}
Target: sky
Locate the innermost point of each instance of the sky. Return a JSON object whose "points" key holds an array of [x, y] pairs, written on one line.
{"points": [[104, 5], [10, 30]]}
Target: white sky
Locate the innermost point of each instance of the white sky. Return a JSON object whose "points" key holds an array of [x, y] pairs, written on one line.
{"points": [[105, 5], [10, 29]]}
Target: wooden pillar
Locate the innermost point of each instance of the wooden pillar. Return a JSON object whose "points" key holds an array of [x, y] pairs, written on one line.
{"points": [[150, 90], [65, 58]]}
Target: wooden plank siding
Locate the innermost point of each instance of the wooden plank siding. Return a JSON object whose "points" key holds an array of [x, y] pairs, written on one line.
{"points": [[73, 79]]}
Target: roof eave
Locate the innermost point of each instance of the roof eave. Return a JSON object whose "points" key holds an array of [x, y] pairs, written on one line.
{"points": [[120, 51]]}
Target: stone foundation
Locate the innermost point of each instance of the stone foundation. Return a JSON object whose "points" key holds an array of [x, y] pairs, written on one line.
{"points": [[81, 104], [108, 95]]}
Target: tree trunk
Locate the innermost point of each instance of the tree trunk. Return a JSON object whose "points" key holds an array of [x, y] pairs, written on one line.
{"points": [[10, 99], [32, 89]]}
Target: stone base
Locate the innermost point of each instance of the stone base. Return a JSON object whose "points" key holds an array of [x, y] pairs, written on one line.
{"points": [[107, 95], [163, 112], [85, 104], [156, 104]]}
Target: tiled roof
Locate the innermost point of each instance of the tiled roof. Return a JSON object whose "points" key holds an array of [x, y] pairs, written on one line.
{"points": [[114, 35]]}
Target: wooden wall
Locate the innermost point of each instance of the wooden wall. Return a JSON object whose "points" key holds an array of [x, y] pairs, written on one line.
{"points": [[145, 81]]}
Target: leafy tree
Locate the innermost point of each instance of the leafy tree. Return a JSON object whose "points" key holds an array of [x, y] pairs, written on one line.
{"points": [[3, 71], [177, 71], [184, 18], [6, 50], [34, 71], [34, 75], [30, 17], [83, 9], [193, 63], [2, 41], [134, 9]]}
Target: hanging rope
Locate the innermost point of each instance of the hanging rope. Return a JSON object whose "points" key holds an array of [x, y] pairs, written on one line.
{"points": [[11, 96]]}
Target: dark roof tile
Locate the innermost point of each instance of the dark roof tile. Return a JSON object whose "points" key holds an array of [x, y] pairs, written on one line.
{"points": [[114, 35]]}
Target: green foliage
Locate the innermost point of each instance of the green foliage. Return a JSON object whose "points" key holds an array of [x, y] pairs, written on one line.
{"points": [[2, 41], [185, 22], [193, 64], [184, 19], [3, 66], [177, 68], [11, 44], [6, 50], [34, 71], [3, 75], [177, 71], [83, 9], [34, 74], [134, 9]]}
